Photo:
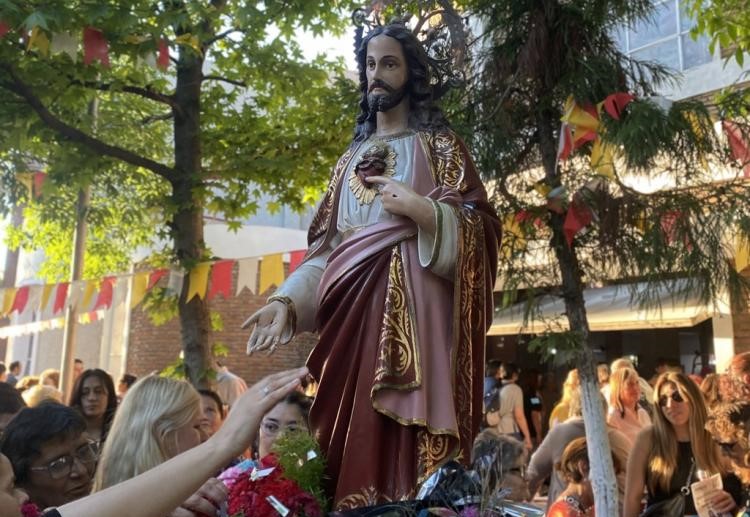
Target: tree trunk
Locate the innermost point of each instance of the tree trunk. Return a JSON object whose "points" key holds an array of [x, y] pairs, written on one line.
{"points": [[187, 223], [601, 473]]}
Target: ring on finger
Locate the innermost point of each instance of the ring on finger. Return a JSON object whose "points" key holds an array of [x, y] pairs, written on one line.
{"points": [[266, 391]]}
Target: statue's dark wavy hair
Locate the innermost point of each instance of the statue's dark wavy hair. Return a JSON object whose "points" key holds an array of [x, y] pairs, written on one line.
{"points": [[424, 114]]}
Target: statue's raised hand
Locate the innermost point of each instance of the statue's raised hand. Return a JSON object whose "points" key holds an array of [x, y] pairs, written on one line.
{"points": [[269, 322]]}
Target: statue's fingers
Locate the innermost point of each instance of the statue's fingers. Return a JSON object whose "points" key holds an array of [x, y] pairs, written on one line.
{"points": [[252, 319]]}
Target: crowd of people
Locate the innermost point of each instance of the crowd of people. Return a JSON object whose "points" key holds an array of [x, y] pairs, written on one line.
{"points": [[100, 447], [665, 434]]}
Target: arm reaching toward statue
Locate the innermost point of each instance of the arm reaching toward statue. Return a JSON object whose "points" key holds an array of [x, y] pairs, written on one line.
{"points": [[270, 321]]}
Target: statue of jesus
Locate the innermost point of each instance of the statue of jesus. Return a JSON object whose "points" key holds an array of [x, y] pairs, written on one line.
{"points": [[398, 282]]}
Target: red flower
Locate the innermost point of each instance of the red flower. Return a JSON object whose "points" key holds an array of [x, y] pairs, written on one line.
{"points": [[249, 498], [29, 509]]}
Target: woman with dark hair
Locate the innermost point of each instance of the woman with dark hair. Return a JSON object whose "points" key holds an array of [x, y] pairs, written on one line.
{"points": [[95, 398], [288, 415]]}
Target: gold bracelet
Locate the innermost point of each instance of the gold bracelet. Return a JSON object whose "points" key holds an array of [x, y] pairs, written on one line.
{"points": [[292, 312]]}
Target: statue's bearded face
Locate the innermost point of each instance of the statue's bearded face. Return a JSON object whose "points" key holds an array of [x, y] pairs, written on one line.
{"points": [[387, 73]]}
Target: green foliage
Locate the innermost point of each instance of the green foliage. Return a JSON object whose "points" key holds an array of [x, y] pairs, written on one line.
{"points": [[302, 461], [560, 347], [727, 24]]}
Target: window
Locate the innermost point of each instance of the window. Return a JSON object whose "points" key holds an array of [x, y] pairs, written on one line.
{"points": [[664, 37]]}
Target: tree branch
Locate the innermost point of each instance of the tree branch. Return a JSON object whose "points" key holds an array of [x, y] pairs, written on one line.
{"points": [[224, 79], [146, 92], [17, 86], [155, 118], [220, 36]]}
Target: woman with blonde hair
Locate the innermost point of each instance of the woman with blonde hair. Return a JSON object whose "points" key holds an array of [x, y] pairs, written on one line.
{"points": [[624, 413], [667, 455], [562, 409], [158, 419]]}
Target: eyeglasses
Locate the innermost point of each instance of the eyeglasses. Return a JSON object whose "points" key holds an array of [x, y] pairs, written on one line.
{"points": [[675, 396], [63, 466], [272, 428]]}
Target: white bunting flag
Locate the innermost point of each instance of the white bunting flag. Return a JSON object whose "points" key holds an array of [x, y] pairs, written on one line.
{"points": [[64, 42], [247, 275]]}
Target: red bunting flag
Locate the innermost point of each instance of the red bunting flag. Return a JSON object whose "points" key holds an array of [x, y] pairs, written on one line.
{"points": [[22, 298], [95, 47], [565, 145], [668, 225], [155, 277], [162, 60], [295, 259], [4, 29], [60, 296], [578, 217], [615, 103], [738, 145], [104, 299], [221, 279], [39, 180]]}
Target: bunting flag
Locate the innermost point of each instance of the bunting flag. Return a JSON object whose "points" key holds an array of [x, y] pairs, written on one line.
{"points": [[4, 29], [39, 41], [104, 299], [668, 225], [61, 295], [20, 300], [9, 295], [247, 275], [738, 146], [138, 289], [39, 178], [175, 282], [64, 43], [190, 41], [513, 230], [46, 293], [578, 217], [581, 124], [221, 279], [198, 281], [271, 272], [95, 47], [295, 259], [35, 294], [89, 289], [162, 61], [614, 104], [602, 159], [155, 277], [741, 254]]}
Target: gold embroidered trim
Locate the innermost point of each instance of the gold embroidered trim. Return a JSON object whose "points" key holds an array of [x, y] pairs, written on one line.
{"points": [[398, 365], [365, 192], [292, 311], [438, 233]]}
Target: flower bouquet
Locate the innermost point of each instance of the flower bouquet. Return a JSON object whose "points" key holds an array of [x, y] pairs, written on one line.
{"points": [[285, 483]]}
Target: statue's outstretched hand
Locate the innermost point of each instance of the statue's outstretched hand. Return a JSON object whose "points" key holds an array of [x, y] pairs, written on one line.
{"points": [[269, 322]]}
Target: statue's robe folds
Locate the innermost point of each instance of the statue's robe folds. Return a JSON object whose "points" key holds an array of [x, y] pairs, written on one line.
{"points": [[400, 360]]}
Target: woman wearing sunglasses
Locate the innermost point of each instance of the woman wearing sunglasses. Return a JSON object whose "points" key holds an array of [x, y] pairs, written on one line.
{"points": [[667, 455]]}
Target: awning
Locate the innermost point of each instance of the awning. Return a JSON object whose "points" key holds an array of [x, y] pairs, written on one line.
{"points": [[609, 308]]}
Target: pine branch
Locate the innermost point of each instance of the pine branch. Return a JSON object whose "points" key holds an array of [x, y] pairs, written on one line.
{"points": [[14, 84]]}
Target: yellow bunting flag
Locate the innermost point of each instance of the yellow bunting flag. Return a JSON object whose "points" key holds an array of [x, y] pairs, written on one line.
{"points": [[602, 159], [8, 297], [139, 288], [514, 237], [198, 281], [190, 41], [38, 40], [46, 293], [90, 287], [741, 254], [271, 272]]}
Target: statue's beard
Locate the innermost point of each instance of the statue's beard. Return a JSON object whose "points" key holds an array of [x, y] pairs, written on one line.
{"points": [[385, 101]]}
